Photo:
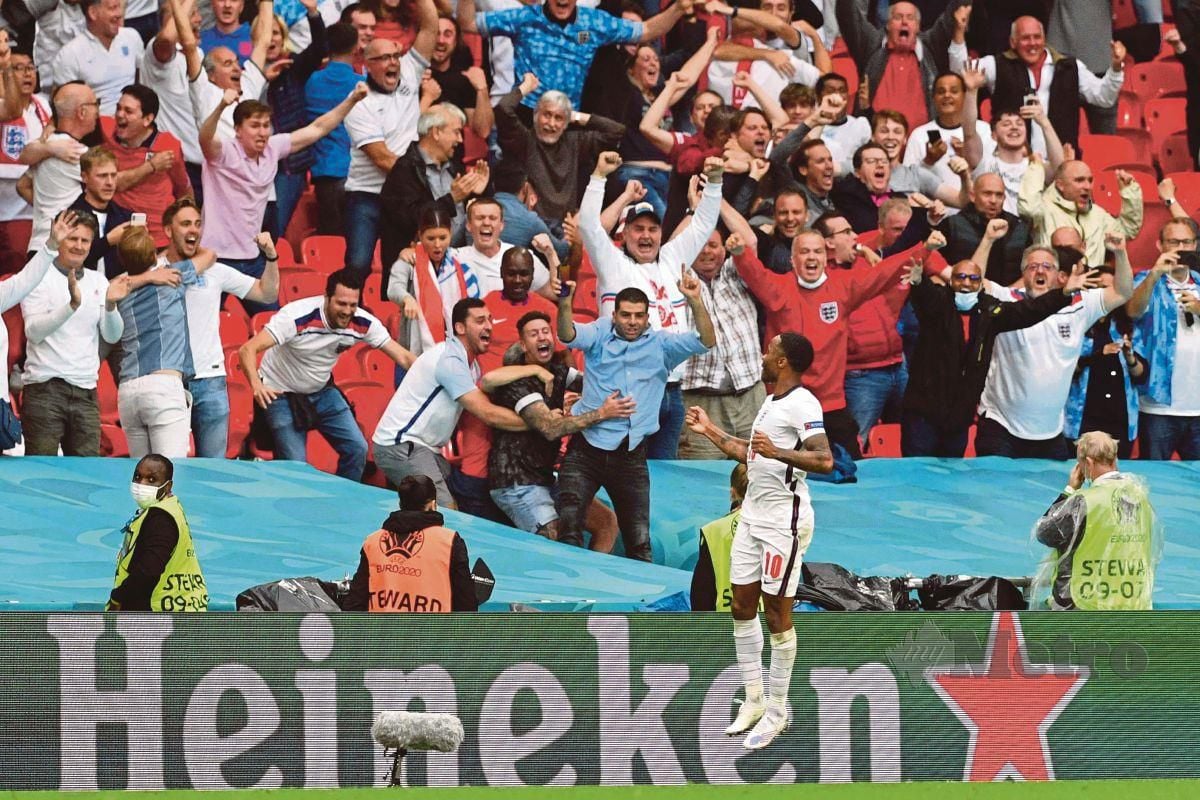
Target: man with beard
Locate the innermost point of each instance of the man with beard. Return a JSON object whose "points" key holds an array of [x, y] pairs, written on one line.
{"points": [[958, 326], [1068, 203], [725, 380], [1062, 84], [66, 317], [422, 414], [381, 128], [1010, 134], [293, 385], [647, 264], [467, 90], [1021, 408], [210, 396], [150, 174], [413, 563], [937, 141], [900, 62], [787, 442], [624, 355], [521, 463], [964, 232]]}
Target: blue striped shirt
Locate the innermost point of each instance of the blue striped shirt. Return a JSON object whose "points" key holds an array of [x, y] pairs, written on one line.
{"points": [[156, 329], [560, 55]]}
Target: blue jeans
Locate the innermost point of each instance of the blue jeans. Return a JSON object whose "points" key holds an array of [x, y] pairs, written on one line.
{"points": [[1161, 435], [655, 181], [920, 437], [210, 416], [665, 443], [872, 392], [530, 507], [335, 421], [288, 189], [472, 497], [254, 268], [623, 473], [361, 219]]}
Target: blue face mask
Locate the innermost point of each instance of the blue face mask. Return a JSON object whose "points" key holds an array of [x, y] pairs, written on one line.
{"points": [[965, 301]]}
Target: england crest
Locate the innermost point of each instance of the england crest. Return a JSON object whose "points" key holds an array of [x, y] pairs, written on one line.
{"points": [[13, 137], [828, 312], [1064, 331]]}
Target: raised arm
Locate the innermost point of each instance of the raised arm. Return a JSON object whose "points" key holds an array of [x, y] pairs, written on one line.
{"points": [[698, 422], [260, 34], [566, 315], [427, 27], [181, 16], [774, 112], [166, 39], [972, 144], [1122, 287], [503, 376], [266, 288], [689, 285], [210, 143], [466, 16], [657, 26], [1140, 301], [323, 125], [651, 125]]}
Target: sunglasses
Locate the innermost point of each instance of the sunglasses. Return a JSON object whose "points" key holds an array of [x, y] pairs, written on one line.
{"points": [[963, 276]]}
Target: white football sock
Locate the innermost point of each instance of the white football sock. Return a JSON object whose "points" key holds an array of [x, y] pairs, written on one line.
{"points": [[783, 656], [748, 641]]}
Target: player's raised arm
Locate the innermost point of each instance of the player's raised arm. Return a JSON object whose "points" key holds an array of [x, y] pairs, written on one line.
{"points": [[731, 446]]}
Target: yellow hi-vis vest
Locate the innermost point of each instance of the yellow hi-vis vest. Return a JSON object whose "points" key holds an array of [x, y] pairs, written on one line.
{"points": [[181, 585], [1112, 569]]}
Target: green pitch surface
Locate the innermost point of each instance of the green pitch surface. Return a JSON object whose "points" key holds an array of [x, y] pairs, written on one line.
{"points": [[1091, 790]]}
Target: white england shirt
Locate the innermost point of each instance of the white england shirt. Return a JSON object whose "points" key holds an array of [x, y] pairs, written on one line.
{"points": [[777, 496]]}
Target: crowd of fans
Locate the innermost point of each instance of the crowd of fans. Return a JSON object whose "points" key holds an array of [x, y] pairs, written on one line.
{"points": [[912, 186]]}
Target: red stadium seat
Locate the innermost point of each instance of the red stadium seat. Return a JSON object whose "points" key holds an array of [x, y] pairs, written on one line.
{"points": [[294, 285], [369, 402], [106, 396], [1132, 166], [304, 220], [1174, 156], [1143, 250], [985, 109], [347, 369], [287, 256], [1129, 110], [884, 441], [320, 453], [1102, 151], [1142, 143], [235, 330], [377, 367], [260, 320], [241, 414], [1155, 78], [372, 294], [1165, 116], [234, 306], [587, 298], [112, 441], [233, 368], [1187, 190], [1107, 189], [325, 254]]}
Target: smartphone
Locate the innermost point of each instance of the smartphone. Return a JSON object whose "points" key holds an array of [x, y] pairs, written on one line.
{"points": [[564, 273], [1031, 99], [1189, 258], [935, 136], [138, 218]]}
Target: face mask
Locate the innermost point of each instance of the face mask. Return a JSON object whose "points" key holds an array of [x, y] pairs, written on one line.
{"points": [[965, 301], [817, 284], [144, 494]]}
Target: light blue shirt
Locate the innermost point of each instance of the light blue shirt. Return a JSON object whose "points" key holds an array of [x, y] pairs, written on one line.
{"points": [[560, 55], [156, 329], [636, 369]]}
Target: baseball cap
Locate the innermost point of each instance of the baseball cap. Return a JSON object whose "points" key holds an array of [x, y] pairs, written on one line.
{"points": [[632, 212]]}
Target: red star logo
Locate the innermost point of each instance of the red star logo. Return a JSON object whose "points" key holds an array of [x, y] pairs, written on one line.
{"points": [[1007, 704]]}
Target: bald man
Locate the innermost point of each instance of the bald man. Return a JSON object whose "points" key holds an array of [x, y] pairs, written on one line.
{"points": [[1070, 203], [56, 180], [964, 231], [1063, 83]]}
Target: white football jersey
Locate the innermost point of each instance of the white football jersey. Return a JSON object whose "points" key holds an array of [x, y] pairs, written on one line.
{"points": [[777, 496]]}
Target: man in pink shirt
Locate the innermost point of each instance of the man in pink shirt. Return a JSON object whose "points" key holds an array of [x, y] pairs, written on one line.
{"points": [[238, 175]]}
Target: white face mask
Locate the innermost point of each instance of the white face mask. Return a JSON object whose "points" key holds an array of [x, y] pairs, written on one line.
{"points": [[144, 494], [814, 284], [965, 301]]}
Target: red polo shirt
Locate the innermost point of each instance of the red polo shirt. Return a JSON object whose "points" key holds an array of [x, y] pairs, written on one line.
{"points": [[154, 194]]}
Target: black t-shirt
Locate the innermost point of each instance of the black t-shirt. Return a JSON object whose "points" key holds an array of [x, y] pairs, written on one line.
{"points": [[456, 88], [526, 458]]}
